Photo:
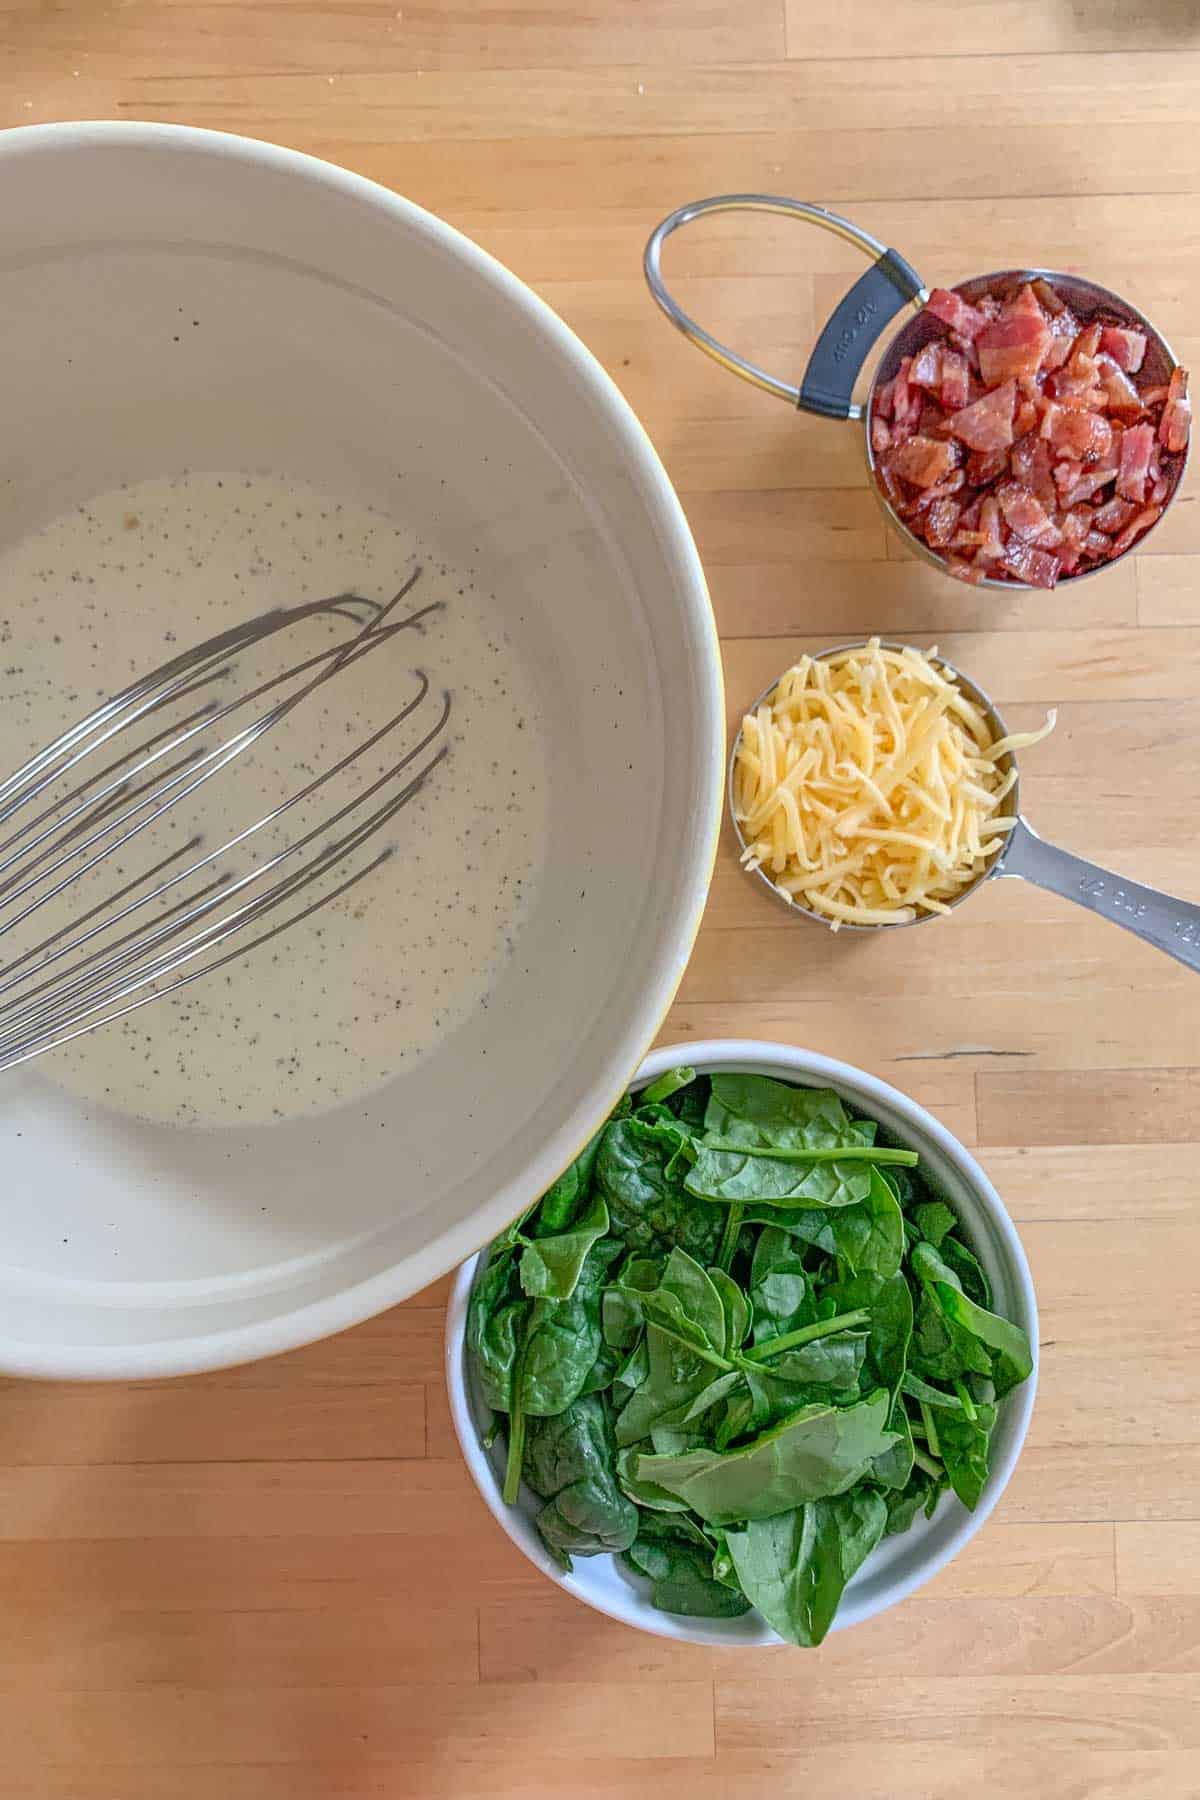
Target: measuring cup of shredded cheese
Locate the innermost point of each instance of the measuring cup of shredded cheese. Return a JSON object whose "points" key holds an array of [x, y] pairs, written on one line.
{"points": [[875, 785]]}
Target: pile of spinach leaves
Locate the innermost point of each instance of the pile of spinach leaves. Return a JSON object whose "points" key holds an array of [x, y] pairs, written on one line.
{"points": [[738, 1342]]}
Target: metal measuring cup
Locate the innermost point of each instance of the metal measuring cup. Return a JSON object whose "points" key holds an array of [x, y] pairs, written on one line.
{"points": [[856, 323], [1169, 924]]}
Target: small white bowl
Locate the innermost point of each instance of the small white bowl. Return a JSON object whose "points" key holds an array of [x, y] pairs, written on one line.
{"points": [[901, 1563]]}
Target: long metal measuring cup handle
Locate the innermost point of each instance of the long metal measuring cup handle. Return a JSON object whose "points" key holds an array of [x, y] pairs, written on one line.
{"points": [[827, 387], [1169, 924]]}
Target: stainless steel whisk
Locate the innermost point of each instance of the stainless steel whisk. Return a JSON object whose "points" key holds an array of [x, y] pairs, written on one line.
{"points": [[174, 924]]}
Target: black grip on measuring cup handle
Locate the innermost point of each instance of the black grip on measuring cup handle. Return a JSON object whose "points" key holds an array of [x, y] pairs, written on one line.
{"points": [[850, 331]]}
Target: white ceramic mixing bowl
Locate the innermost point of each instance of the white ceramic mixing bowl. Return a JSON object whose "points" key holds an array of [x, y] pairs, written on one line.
{"points": [[348, 339], [901, 1563]]}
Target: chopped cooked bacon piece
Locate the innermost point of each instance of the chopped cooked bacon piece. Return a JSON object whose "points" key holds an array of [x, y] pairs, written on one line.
{"points": [[1024, 304], [1025, 514], [926, 368], [1085, 347], [1127, 348], [1175, 426], [987, 424], [1120, 395], [1137, 446], [923, 461], [956, 380], [941, 523], [1035, 567], [906, 401], [1064, 326], [1064, 329], [1080, 391], [983, 466], [893, 487], [993, 530], [1016, 441], [955, 312], [1114, 515], [1030, 463], [1075, 483], [1026, 417], [1085, 436], [1014, 344], [1049, 298], [1136, 526]]}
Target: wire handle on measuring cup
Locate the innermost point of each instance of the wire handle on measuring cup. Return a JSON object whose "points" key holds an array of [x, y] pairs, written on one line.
{"points": [[840, 351]]}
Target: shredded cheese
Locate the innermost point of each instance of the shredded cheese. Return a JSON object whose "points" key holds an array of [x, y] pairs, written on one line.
{"points": [[869, 788]]}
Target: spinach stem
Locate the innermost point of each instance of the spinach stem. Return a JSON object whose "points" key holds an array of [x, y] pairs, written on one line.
{"points": [[708, 1356], [927, 1463], [516, 1455], [666, 1085], [968, 1405], [931, 1436], [869, 1153], [807, 1334], [729, 1237], [516, 1418]]}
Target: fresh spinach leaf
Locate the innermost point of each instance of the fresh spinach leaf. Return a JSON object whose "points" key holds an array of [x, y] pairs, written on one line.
{"points": [[550, 1265], [621, 1311], [966, 1265], [644, 1493], [921, 1495], [569, 1463], [1004, 1345], [814, 1374], [867, 1237], [687, 1304], [683, 1427], [682, 1579], [690, 1105], [894, 1468], [819, 1451], [964, 1446], [739, 1176], [604, 1371], [933, 1219], [833, 1362], [563, 1339], [890, 1330], [635, 1368], [648, 1206], [736, 1308], [780, 1294], [561, 1202], [917, 1389], [494, 1316], [674, 1374], [794, 1567], [754, 1110]]}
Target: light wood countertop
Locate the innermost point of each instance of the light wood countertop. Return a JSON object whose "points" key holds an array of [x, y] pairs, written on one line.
{"points": [[278, 1583]]}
